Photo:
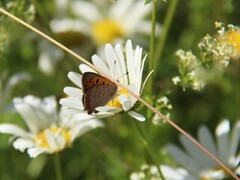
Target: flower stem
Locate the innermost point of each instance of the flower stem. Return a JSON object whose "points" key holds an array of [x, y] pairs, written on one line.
{"points": [[152, 46], [43, 16], [164, 33], [149, 148], [57, 165]]}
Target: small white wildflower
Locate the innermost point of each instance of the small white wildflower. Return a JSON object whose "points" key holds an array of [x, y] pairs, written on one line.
{"points": [[218, 25], [176, 80]]}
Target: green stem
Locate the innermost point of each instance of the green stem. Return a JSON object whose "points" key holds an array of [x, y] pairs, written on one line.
{"points": [[149, 148], [57, 165], [164, 33], [42, 15], [152, 46]]}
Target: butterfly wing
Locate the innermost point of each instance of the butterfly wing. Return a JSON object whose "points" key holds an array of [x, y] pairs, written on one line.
{"points": [[89, 79], [98, 95]]}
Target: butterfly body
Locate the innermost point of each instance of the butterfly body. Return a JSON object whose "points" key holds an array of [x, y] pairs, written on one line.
{"points": [[97, 91]]}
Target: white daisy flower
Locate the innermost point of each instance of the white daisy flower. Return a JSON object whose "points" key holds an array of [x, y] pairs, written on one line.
{"points": [[49, 131], [6, 88], [123, 64], [102, 21], [106, 22], [168, 172], [199, 165]]}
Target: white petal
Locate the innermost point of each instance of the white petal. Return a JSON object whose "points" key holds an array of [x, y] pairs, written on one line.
{"points": [[14, 130], [86, 10], [22, 144], [222, 132], [48, 58], [108, 109], [120, 9], [111, 59], [184, 159], [37, 113], [207, 141], [85, 68], [122, 64], [97, 61], [145, 81], [76, 78], [99, 115], [135, 15], [15, 79], [84, 127], [74, 92], [130, 61], [49, 106], [235, 141], [125, 101], [56, 142], [65, 25], [132, 87], [136, 115], [27, 110], [34, 152], [203, 160], [72, 102], [171, 173]]}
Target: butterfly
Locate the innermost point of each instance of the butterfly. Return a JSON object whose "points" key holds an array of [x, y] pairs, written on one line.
{"points": [[97, 91]]}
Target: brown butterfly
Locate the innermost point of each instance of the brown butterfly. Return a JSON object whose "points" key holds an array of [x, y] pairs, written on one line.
{"points": [[97, 91]]}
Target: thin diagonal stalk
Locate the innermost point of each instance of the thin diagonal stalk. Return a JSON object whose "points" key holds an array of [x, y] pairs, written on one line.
{"points": [[149, 148], [169, 121]]}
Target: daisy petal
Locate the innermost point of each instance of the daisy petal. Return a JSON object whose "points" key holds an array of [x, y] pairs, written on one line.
{"points": [[55, 143], [84, 68], [235, 140], [34, 152], [72, 102], [22, 144], [171, 173], [72, 91], [136, 115], [125, 101], [84, 127], [207, 141], [76, 78], [222, 132], [14, 130], [82, 9], [197, 154], [184, 159], [108, 109], [97, 61]]}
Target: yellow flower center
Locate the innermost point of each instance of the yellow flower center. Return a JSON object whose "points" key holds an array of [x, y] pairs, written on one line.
{"points": [[41, 139], [233, 38], [105, 31], [115, 101]]}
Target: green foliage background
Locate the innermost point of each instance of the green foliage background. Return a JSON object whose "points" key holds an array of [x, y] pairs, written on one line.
{"points": [[117, 150]]}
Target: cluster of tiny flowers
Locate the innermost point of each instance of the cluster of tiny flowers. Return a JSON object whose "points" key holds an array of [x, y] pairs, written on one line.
{"points": [[21, 8], [214, 52], [163, 105], [189, 71], [146, 172]]}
